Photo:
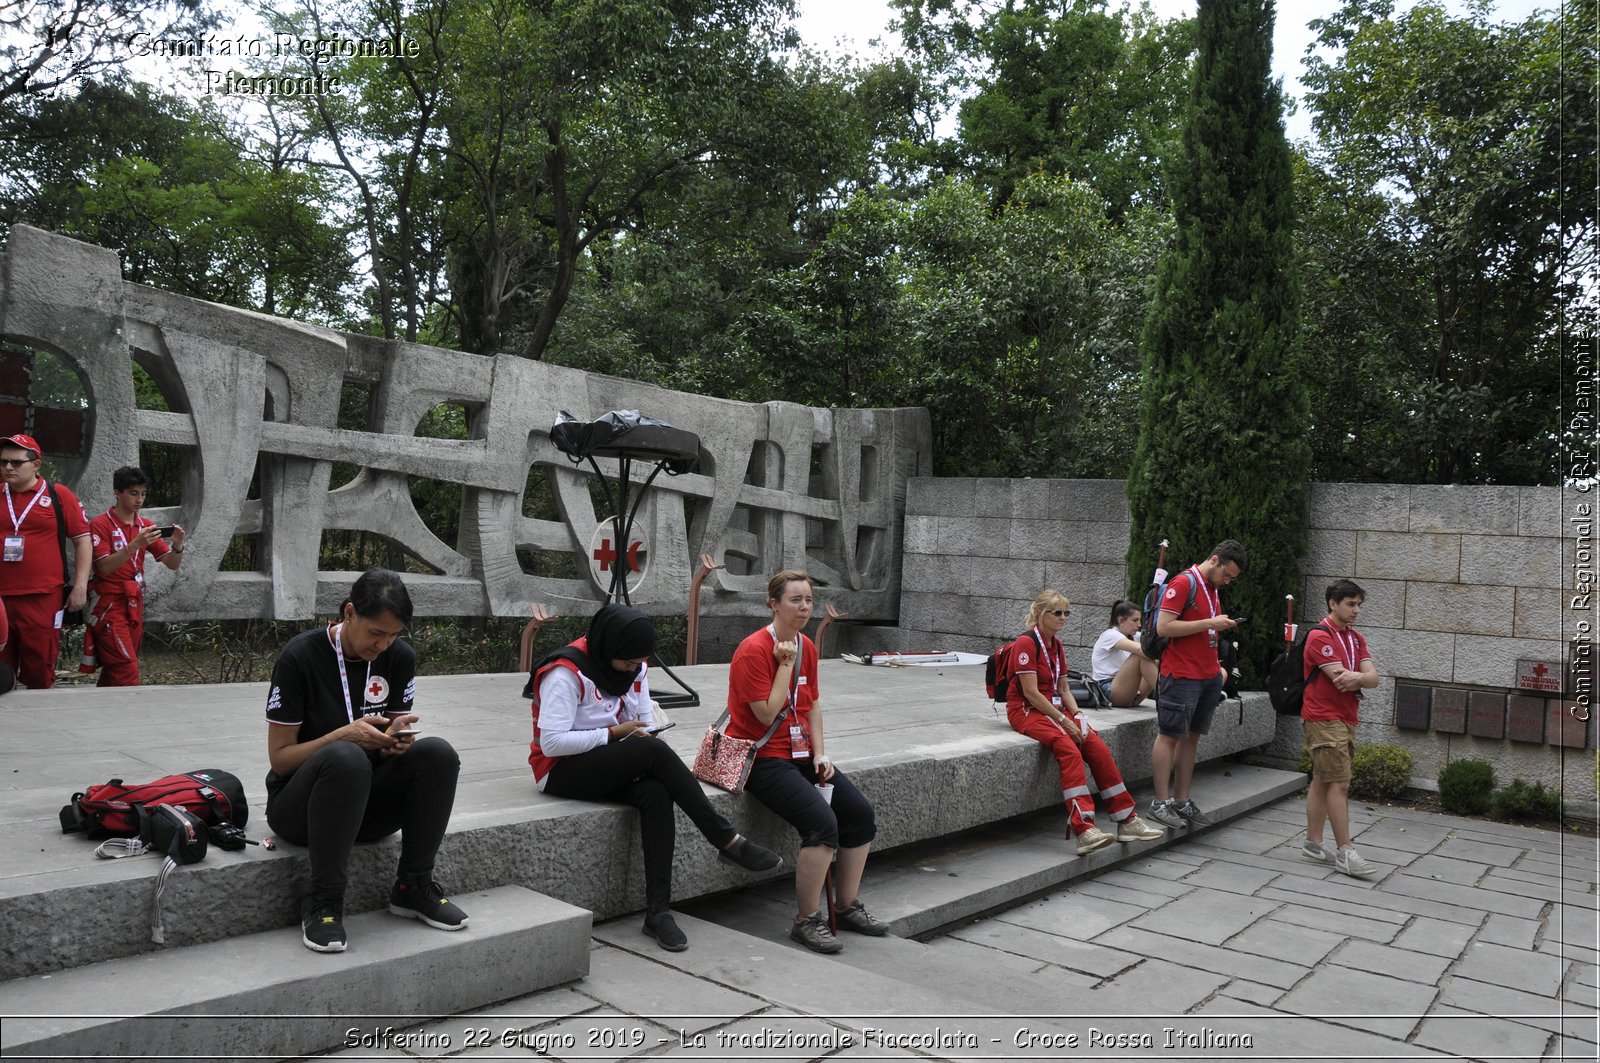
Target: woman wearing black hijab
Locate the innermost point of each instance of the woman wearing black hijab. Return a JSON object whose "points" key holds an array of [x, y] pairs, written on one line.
{"points": [[591, 740]]}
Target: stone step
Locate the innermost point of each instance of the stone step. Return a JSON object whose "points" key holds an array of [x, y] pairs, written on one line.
{"points": [[921, 889], [825, 1007], [265, 996]]}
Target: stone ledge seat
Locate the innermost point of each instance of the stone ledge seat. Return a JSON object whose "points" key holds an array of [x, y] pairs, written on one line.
{"points": [[923, 743], [263, 996]]}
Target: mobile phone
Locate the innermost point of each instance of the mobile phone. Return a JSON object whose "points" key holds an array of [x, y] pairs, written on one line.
{"points": [[663, 727], [1239, 619], [166, 530], [407, 731]]}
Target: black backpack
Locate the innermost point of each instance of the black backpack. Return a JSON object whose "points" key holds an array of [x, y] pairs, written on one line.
{"points": [[1152, 643], [1286, 676]]}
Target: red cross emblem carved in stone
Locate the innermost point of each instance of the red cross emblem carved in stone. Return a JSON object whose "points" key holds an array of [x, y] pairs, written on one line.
{"points": [[606, 555]]}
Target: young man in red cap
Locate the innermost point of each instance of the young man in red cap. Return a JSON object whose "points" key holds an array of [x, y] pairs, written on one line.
{"points": [[32, 581], [121, 540]]}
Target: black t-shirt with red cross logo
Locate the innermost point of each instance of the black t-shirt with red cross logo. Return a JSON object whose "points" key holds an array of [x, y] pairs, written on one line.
{"points": [[305, 687]]}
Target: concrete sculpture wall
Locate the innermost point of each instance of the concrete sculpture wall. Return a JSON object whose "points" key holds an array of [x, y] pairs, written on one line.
{"points": [[779, 484]]}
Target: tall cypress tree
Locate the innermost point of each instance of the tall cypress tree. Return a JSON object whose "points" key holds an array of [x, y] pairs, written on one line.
{"points": [[1221, 450]]}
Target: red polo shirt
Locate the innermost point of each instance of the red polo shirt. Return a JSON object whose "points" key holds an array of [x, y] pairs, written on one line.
{"points": [[39, 571]]}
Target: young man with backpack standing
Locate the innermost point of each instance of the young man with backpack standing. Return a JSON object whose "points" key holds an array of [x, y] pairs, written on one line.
{"points": [[1191, 680], [1337, 668], [39, 519]]}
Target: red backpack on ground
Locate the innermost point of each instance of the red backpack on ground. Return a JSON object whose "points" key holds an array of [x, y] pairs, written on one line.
{"points": [[113, 809]]}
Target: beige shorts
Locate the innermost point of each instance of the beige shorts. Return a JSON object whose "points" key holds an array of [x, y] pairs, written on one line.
{"points": [[1332, 744]]}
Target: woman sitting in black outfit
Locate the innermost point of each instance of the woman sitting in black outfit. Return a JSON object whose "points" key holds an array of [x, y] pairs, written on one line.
{"points": [[346, 766], [592, 720]]}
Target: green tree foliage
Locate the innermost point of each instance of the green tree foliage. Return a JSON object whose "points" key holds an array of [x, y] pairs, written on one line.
{"points": [[186, 207], [1074, 88], [47, 45], [1221, 450], [1444, 194]]}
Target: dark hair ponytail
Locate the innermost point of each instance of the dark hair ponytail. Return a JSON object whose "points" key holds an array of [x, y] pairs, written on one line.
{"points": [[1122, 610], [380, 591]]}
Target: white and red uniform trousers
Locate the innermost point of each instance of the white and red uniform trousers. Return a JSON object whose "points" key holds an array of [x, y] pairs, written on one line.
{"points": [[113, 632], [1045, 657], [1072, 759]]}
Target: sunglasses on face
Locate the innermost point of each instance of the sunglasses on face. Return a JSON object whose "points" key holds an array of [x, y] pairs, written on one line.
{"points": [[1063, 613], [15, 463]]}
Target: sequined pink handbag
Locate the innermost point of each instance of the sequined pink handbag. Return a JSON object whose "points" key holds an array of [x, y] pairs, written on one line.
{"points": [[725, 761]]}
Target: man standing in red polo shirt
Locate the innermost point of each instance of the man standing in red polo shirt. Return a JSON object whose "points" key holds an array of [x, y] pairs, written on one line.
{"points": [[121, 539], [1337, 669], [1191, 681], [32, 581]]}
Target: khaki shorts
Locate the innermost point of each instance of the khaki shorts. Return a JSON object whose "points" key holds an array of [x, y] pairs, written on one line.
{"points": [[1332, 744]]}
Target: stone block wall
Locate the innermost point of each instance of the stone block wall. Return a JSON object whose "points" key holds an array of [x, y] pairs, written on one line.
{"points": [[1462, 582]]}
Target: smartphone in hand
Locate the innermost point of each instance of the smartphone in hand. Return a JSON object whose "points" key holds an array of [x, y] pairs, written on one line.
{"points": [[663, 727]]}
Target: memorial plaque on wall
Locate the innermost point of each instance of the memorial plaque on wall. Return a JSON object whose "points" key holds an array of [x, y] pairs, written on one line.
{"points": [[1449, 710], [1525, 718], [1564, 728], [1486, 714], [1411, 701], [1543, 676]]}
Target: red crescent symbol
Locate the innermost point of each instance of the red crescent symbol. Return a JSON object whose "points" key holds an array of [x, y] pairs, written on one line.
{"points": [[633, 555]]}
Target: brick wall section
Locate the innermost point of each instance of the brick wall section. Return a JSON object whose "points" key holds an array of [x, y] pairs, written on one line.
{"points": [[1461, 582]]}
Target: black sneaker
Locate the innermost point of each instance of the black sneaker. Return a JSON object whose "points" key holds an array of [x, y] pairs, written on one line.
{"points": [[665, 930], [322, 923], [423, 899], [813, 933], [1166, 813], [857, 918], [1191, 812], [750, 856]]}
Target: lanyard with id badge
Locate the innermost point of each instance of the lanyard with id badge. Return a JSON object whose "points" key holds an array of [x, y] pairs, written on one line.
{"points": [[799, 735], [13, 543]]}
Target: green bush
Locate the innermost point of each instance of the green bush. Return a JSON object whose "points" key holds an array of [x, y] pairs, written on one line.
{"points": [[1380, 772], [1523, 801], [1466, 785], [1305, 762]]}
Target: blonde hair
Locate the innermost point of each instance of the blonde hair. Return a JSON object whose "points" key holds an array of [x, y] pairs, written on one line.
{"points": [[776, 585], [1042, 602]]}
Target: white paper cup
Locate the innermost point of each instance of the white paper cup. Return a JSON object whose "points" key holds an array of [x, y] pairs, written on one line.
{"points": [[826, 790]]}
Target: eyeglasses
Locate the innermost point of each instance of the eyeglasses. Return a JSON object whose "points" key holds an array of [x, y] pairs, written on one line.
{"points": [[15, 463], [1063, 613]]}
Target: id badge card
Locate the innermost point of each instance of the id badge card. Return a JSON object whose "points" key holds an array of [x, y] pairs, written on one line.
{"points": [[1211, 638], [13, 548], [799, 742], [1056, 700]]}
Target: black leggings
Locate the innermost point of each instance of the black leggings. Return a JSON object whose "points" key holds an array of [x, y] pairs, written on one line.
{"points": [[339, 797], [644, 772], [789, 788]]}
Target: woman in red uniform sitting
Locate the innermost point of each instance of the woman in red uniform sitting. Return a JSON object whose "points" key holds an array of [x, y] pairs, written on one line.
{"points": [[774, 673], [1040, 705]]}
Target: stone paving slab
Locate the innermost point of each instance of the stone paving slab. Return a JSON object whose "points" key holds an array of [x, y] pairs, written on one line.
{"points": [[1400, 963], [1279, 938], [1436, 937], [1206, 915], [1516, 968], [1481, 1037], [1362, 999]]}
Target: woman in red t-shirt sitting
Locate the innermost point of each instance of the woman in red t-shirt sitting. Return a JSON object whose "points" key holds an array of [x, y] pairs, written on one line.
{"points": [[773, 675], [1040, 705]]}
